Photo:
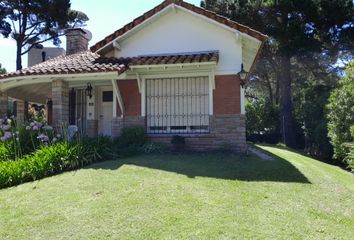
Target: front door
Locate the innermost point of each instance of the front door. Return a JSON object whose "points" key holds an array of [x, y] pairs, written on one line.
{"points": [[105, 111]]}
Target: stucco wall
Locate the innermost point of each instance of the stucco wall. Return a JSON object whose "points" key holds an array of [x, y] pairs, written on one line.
{"points": [[180, 31]]}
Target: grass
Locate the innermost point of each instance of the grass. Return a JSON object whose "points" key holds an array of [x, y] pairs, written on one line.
{"points": [[186, 197]]}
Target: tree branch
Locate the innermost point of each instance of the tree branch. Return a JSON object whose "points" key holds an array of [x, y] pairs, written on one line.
{"points": [[39, 42]]}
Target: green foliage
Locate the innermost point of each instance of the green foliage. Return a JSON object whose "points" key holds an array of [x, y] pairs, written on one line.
{"points": [[132, 137], [310, 103], [151, 147], [341, 118], [54, 159], [5, 153], [262, 118]]}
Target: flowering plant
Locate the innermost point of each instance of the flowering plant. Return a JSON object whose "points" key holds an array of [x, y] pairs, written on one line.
{"points": [[23, 139]]}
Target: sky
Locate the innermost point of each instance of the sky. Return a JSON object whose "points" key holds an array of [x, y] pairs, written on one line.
{"points": [[106, 16]]}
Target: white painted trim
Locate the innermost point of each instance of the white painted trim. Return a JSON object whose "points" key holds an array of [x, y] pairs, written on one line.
{"points": [[143, 97], [211, 95], [115, 97], [119, 97], [138, 79], [242, 100], [9, 83], [116, 45]]}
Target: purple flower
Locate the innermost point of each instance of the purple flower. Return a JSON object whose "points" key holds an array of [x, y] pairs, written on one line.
{"points": [[6, 127], [43, 138]]}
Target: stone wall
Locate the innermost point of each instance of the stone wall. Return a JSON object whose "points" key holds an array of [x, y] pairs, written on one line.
{"points": [[126, 122], [60, 98], [20, 111], [227, 132], [92, 128], [3, 104]]}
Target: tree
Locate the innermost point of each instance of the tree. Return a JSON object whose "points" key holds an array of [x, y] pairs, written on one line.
{"points": [[33, 22], [2, 70], [341, 118], [296, 28]]}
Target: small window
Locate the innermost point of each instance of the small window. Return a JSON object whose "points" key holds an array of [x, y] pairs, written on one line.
{"points": [[107, 96]]}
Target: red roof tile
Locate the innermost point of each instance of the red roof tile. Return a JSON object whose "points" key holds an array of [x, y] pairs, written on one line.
{"points": [[88, 62], [191, 7]]}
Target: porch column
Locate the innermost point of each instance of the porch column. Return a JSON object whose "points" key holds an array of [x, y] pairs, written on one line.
{"points": [[60, 99], [20, 111], [3, 104]]}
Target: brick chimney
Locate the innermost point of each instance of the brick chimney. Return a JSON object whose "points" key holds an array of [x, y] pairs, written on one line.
{"points": [[77, 40]]}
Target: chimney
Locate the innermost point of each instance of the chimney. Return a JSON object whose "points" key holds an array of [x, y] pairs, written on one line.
{"points": [[77, 40]]}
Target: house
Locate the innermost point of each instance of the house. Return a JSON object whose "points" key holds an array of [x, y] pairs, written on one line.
{"points": [[173, 70], [40, 54]]}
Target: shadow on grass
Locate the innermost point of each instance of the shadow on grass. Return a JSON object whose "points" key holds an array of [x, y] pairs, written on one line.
{"points": [[220, 166]]}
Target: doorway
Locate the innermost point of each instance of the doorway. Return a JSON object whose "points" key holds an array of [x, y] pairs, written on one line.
{"points": [[105, 111]]}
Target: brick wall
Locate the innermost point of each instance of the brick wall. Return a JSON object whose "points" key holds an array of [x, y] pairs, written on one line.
{"points": [[131, 97], [76, 41], [227, 95]]}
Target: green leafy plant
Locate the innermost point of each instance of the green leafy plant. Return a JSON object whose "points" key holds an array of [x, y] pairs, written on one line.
{"points": [[341, 118]]}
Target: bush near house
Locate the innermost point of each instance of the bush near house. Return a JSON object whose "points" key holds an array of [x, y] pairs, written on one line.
{"points": [[341, 119], [32, 152], [262, 121]]}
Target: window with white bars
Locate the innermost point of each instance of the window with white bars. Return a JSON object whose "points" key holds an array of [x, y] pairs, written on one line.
{"points": [[177, 105]]}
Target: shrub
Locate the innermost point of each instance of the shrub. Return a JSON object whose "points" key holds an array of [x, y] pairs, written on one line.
{"points": [[262, 121], [131, 141], [151, 147], [341, 118], [45, 162], [133, 136], [50, 160]]}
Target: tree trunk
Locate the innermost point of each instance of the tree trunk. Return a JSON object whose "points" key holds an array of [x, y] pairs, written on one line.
{"points": [[286, 104], [18, 56]]}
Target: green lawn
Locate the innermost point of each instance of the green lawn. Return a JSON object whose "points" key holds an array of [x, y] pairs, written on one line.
{"points": [[186, 197]]}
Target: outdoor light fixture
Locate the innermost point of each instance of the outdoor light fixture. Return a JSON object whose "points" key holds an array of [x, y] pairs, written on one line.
{"points": [[243, 75], [88, 90]]}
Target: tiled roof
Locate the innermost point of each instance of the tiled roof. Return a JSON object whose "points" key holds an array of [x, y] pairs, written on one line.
{"points": [[179, 58], [88, 62], [191, 7], [84, 62]]}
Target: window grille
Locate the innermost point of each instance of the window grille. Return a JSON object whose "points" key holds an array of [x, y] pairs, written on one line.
{"points": [[177, 105]]}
